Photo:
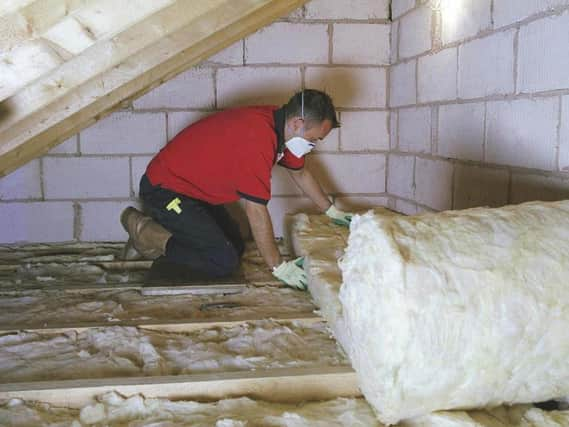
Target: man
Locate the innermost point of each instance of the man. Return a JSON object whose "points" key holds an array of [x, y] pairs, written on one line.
{"points": [[220, 159]]}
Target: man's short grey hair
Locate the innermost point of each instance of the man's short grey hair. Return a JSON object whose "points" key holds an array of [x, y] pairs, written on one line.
{"points": [[318, 106]]}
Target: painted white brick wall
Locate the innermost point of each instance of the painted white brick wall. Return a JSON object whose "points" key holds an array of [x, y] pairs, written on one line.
{"points": [[232, 55], [437, 76], [191, 89], [415, 32], [507, 12], [477, 186], [464, 18], [97, 221], [360, 204], [433, 180], [399, 7], [544, 55], [564, 142], [403, 84], [527, 188], [364, 130], [349, 173], [23, 183], [179, 120], [350, 87], [86, 177], [347, 9], [415, 130], [282, 208], [486, 66], [361, 44], [461, 131], [138, 165], [22, 222], [522, 133], [70, 146], [256, 86], [288, 43], [400, 179], [125, 132], [282, 184]]}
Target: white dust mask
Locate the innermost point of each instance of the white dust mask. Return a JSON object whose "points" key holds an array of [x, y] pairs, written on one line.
{"points": [[299, 146]]}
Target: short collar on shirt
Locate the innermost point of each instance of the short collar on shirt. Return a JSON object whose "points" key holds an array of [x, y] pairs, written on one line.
{"points": [[279, 117]]}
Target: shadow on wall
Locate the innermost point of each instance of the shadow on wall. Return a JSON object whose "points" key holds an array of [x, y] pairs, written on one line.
{"points": [[5, 110], [476, 186]]}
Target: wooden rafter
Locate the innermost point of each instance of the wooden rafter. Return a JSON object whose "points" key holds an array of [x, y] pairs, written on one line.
{"points": [[85, 87], [287, 385]]}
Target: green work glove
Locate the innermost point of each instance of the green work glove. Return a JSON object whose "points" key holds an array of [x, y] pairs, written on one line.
{"points": [[291, 273], [339, 217]]}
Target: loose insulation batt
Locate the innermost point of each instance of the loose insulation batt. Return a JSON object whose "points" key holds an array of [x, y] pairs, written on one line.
{"points": [[322, 243], [463, 309]]}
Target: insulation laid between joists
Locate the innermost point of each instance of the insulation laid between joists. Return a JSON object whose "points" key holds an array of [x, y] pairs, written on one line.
{"points": [[465, 309]]}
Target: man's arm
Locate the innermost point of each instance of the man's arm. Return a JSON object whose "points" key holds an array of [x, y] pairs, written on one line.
{"points": [[308, 184], [262, 229]]}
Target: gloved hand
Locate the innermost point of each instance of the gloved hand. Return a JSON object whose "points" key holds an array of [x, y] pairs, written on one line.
{"points": [[339, 217], [292, 273]]}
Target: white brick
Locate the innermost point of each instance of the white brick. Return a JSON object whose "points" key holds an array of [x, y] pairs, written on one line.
{"points": [[84, 177], [39, 222], [360, 204], [433, 179], [191, 89], [393, 134], [232, 55], [406, 208], [437, 76], [256, 85], [400, 179], [68, 146], [280, 209], [125, 132], [23, 183], [286, 43], [179, 120], [544, 55], [282, 184], [139, 165], [361, 44], [399, 7], [403, 84], [364, 130], [415, 32], [475, 186], [486, 66], [394, 43], [461, 131], [509, 11], [347, 9], [464, 18], [564, 146], [526, 188], [100, 221], [330, 143], [350, 87], [522, 132], [415, 130], [342, 173]]}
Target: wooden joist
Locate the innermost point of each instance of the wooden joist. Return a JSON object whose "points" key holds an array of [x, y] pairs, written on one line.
{"points": [[290, 385], [180, 326], [90, 85]]}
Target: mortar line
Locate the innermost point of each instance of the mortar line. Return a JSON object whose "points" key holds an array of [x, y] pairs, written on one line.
{"points": [[558, 145], [516, 59], [330, 43]]}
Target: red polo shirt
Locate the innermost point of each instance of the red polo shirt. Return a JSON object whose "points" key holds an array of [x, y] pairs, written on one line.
{"points": [[226, 156]]}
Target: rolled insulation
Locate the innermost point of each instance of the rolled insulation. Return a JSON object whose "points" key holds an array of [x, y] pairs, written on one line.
{"points": [[460, 309]]}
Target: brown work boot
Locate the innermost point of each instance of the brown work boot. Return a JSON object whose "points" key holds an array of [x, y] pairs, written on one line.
{"points": [[147, 237]]}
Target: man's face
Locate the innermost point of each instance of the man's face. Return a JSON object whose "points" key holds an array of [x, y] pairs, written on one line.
{"points": [[313, 132]]}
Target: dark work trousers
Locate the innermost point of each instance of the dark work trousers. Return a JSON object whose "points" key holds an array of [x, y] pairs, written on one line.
{"points": [[204, 237]]}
